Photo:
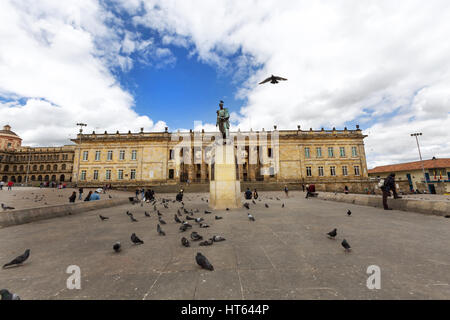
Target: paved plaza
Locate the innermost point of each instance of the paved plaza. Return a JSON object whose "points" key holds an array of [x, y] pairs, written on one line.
{"points": [[284, 254]]}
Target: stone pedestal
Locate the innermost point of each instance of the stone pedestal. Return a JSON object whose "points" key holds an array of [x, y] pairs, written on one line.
{"points": [[224, 188]]}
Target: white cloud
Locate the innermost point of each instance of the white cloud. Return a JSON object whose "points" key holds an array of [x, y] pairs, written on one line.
{"points": [[352, 61]]}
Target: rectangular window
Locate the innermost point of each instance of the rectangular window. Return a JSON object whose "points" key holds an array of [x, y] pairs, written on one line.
{"points": [[308, 171], [120, 175], [354, 152], [171, 154], [133, 174], [333, 170], [330, 152], [320, 171], [171, 173], [269, 152], [319, 152], [307, 152], [110, 155], [133, 154], [108, 175], [342, 151], [83, 174], [97, 155], [122, 155], [344, 171], [95, 174], [356, 170], [85, 155]]}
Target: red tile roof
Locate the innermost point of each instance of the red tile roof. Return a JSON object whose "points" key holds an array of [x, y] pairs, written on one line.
{"points": [[416, 165]]}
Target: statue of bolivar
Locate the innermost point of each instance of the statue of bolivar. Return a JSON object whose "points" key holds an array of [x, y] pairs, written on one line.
{"points": [[223, 121]]}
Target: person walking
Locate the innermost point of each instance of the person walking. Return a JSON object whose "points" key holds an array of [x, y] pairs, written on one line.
{"points": [[303, 187], [389, 184], [286, 191], [73, 197], [80, 190], [346, 190], [1, 185], [10, 184]]}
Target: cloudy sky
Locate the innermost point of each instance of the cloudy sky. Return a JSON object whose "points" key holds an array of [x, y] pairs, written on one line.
{"points": [[126, 64]]}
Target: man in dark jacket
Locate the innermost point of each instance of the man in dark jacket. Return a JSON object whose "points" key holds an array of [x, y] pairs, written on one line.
{"points": [[389, 184], [248, 194]]}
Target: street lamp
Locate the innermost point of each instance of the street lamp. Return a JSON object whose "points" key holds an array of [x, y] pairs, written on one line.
{"points": [[420, 154], [81, 125]]}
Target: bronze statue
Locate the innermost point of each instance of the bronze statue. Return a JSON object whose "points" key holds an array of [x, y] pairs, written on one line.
{"points": [[223, 120]]}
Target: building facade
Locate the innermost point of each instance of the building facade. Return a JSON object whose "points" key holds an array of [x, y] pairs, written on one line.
{"points": [[410, 176]]}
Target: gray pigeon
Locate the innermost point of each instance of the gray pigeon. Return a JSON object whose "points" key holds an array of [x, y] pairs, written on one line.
{"points": [[349, 213], [203, 262], [195, 236], [6, 207], [218, 238], [133, 219], [346, 245], [332, 234], [247, 205], [19, 260], [117, 247], [207, 212], [282, 205], [218, 218], [135, 239], [250, 217], [204, 225], [146, 214], [161, 220], [254, 202], [160, 231], [185, 242], [198, 220], [102, 217], [177, 220], [266, 205], [6, 295], [206, 243]]}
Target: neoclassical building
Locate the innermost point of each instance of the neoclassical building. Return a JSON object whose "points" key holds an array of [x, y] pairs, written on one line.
{"points": [[328, 158], [23, 164]]}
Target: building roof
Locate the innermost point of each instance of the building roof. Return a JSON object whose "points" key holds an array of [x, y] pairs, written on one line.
{"points": [[416, 165], [7, 130]]}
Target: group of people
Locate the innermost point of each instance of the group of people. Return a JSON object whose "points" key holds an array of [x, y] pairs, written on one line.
{"points": [[9, 185], [90, 197], [146, 195], [249, 194]]}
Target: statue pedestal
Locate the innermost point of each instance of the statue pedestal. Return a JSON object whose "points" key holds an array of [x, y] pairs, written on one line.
{"points": [[224, 188]]}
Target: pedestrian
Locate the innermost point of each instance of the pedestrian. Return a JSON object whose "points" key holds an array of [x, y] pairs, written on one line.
{"points": [[10, 184], [286, 191], [248, 194], [388, 185], [88, 197], [80, 190], [137, 194], [255, 194], [73, 197], [1, 185], [303, 187], [346, 190], [179, 196]]}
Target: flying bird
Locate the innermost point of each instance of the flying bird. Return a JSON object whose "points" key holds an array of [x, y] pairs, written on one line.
{"points": [[203, 262], [6, 295], [135, 239], [19, 260], [117, 247], [185, 242], [102, 217], [332, 234], [346, 245], [273, 79], [250, 217]]}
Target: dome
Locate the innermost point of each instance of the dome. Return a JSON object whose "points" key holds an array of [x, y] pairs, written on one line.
{"points": [[7, 130]]}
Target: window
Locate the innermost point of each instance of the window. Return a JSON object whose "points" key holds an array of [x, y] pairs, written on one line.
{"points": [[308, 171], [354, 152], [48, 167], [83, 174], [320, 171], [122, 155], [108, 175], [330, 152], [272, 172], [171, 155], [319, 152], [269, 152], [344, 171], [133, 174], [110, 155], [63, 167], [356, 170], [95, 174], [120, 175], [171, 173], [97, 155], [306, 152], [333, 170], [133, 154], [85, 155], [342, 151]]}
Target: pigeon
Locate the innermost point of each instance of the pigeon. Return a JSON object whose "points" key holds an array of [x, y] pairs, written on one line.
{"points": [[160, 232], [207, 212], [278, 198], [266, 205], [117, 247], [183, 227], [250, 217], [195, 236], [161, 220], [228, 209], [332, 234], [206, 243], [218, 218], [273, 79], [6, 295], [254, 202], [185, 211], [198, 220], [146, 214], [218, 238], [102, 217], [129, 213], [204, 225], [189, 218], [349, 213], [282, 205], [177, 220], [6, 207], [19, 260], [133, 219], [203, 262], [109, 196], [179, 213], [185, 242], [247, 205], [159, 213], [447, 216], [135, 239], [346, 245]]}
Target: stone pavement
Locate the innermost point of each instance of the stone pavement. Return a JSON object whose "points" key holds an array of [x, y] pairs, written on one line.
{"points": [[284, 254], [32, 197]]}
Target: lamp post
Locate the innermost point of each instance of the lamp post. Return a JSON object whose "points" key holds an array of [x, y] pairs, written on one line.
{"points": [[420, 155], [81, 125], [28, 168]]}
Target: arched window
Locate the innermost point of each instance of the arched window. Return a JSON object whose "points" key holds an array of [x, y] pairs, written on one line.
{"points": [[33, 177], [21, 168], [61, 178], [41, 167], [14, 168], [19, 179], [55, 167], [46, 177], [35, 167], [39, 178], [63, 166], [6, 168], [13, 179], [49, 167], [5, 179], [53, 178]]}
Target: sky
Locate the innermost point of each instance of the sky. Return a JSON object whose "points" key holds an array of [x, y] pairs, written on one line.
{"points": [[126, 64]]}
